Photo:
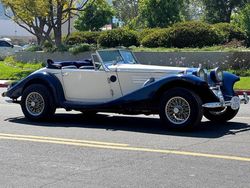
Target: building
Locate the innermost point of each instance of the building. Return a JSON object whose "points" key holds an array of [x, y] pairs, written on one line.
{"points": [[8, 28]]}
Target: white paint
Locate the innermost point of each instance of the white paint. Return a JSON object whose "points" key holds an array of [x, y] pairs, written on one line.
{"points": [[133, 76], [88, 86]]}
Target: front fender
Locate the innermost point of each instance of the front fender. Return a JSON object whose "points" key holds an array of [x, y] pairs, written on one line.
{"points": [[228, 84], [49, 80], [153, 91]]}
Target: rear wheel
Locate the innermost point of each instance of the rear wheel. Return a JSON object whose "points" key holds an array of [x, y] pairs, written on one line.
{"points": [[222, 115], [37, 102], [180, 109]]}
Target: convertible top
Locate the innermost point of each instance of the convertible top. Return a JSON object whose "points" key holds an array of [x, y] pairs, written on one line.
{"points": [[58, 65]]}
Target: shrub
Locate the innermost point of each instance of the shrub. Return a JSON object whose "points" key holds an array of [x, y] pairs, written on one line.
{"points": [[193, 34], [84, 47], [82, 37], [34, 48], [145, 32], [159, 38], [118, 37], [241, 72], [229, 32]]}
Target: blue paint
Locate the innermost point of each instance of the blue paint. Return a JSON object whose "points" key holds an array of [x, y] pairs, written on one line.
{"points": [[43, 77], [145, 94], [228, 84]]}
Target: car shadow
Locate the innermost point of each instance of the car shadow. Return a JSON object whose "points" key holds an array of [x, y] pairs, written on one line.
{"points": [[148, 125]]}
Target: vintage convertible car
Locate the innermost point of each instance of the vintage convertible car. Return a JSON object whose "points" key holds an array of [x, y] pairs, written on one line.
{"points": [[114, 81]]}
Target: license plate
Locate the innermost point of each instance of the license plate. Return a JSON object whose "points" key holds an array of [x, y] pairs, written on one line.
{"points": [[235, 103]]}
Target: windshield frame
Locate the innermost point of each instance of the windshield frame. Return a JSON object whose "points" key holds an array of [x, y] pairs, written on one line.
{"points": [[120, 59]]}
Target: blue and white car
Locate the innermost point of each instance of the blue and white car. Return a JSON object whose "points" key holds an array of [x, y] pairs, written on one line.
{"points": [[114, 81]]}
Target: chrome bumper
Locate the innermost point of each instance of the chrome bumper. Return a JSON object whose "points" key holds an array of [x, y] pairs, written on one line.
{"points": [[234, 103]]}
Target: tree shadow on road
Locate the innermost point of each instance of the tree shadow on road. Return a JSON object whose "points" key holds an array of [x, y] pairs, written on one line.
{"points": [[151, 125]]}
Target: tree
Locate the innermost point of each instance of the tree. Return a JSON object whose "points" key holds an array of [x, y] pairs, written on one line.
{"points": [[29, 15], [126, 10], [160, 13], [221, 10], [242, 20], [95, 16], [42, 17], [193, 10]]}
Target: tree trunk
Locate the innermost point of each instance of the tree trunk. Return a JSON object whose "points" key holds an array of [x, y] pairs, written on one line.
{"points": [[58, 26], [58, 36], [69, 25], [40, 40]]}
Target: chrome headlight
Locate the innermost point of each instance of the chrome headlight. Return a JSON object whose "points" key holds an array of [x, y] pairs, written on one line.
{"points": [[202, 73], [217, 75]]}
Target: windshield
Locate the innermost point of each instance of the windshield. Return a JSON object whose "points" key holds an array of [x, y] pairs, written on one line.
{"points": [[128, 57], [113, 57]]}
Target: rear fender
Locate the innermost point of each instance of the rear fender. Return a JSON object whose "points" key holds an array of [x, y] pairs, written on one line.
{"points": [[47, 79]]}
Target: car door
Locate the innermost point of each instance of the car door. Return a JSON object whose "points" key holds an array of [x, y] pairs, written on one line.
{"points": [[90, 85]]}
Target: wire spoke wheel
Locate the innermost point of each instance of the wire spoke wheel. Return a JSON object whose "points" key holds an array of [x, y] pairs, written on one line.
{"points": [[180, 109], [35, 104], [177, 110]]}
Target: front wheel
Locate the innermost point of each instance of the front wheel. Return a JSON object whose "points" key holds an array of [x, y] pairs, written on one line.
{"points": [[222, 115], [180, 109], [37, 102]]}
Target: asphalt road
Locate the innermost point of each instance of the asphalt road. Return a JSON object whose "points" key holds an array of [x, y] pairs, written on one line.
{"points": [[121, 151]]}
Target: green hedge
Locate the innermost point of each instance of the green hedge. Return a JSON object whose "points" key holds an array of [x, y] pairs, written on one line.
{"points": [[186, 34], [181, 35], [82, 37], [147, 31], [84, 47], [118, 37], [228, 32], [193, 34], [158, 38]]}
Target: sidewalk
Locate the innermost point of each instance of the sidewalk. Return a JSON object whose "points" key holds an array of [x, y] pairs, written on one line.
{"points": [[5, 83]]}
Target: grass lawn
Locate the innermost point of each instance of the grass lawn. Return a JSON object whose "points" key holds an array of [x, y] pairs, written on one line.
{"points": [[244, 83], [10, 70]]}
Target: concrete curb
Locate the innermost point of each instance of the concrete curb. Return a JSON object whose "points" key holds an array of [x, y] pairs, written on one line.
{"points": [[3, 85], [240, 92]]}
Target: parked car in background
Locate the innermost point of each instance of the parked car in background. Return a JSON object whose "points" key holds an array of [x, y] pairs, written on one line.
{"points": [[114, 81], [7, 48]]}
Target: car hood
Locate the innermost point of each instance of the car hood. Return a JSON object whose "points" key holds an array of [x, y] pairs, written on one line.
{"points": [[147, 68]]}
